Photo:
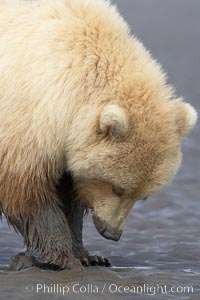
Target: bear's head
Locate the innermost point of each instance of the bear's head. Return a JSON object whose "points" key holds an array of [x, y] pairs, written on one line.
{"points": [[125, 154], [126, 125]]}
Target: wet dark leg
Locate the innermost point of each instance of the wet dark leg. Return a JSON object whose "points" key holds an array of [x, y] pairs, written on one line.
{"points": [[75, 213], [48, 234]]}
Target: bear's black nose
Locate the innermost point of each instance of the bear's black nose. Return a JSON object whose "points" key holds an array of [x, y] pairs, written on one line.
{"points": [[106, 230], [111, 234]]}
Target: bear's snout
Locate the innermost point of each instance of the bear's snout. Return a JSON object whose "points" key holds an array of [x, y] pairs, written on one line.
{"points": [[106, 230]]}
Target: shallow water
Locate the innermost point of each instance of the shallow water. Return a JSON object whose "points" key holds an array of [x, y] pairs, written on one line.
{"points": [[161, 241]]}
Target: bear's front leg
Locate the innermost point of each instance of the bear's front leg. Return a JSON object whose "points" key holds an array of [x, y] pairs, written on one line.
{"points": [[48, 233], [75, 220], [74, 213]]}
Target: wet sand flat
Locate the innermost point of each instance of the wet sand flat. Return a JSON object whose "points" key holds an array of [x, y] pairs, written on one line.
{"points": [[161, 242]]}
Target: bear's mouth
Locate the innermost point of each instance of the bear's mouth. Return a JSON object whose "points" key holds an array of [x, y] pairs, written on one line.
{"points": [[106, 230]]}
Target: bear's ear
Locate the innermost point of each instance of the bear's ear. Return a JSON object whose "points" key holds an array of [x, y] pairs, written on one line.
{"points": [[186, 118], [113, 121]]}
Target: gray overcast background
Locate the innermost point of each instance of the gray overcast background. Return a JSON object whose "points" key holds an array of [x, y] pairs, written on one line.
{"points": [[171, 30]]}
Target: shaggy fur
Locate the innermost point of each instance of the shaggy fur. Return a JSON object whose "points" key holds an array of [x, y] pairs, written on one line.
{"points": [[79, 94]]}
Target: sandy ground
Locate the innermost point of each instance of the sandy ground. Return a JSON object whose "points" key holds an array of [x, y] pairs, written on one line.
{"points": [[161, 242]]}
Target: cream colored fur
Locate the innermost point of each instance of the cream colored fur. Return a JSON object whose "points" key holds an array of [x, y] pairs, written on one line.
{"points": [[114, 121], [68, 69]]}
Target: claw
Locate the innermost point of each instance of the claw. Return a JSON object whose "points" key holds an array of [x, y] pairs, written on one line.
{"points": [[102, 261], [85, 261], [108, 262], [94, 260]]}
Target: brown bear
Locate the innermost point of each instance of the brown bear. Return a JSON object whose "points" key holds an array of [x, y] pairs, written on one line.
{"points": [[87, 121]]}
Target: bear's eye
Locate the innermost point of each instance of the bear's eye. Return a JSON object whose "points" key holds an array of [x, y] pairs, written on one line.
{"points": [[117, 191]]}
